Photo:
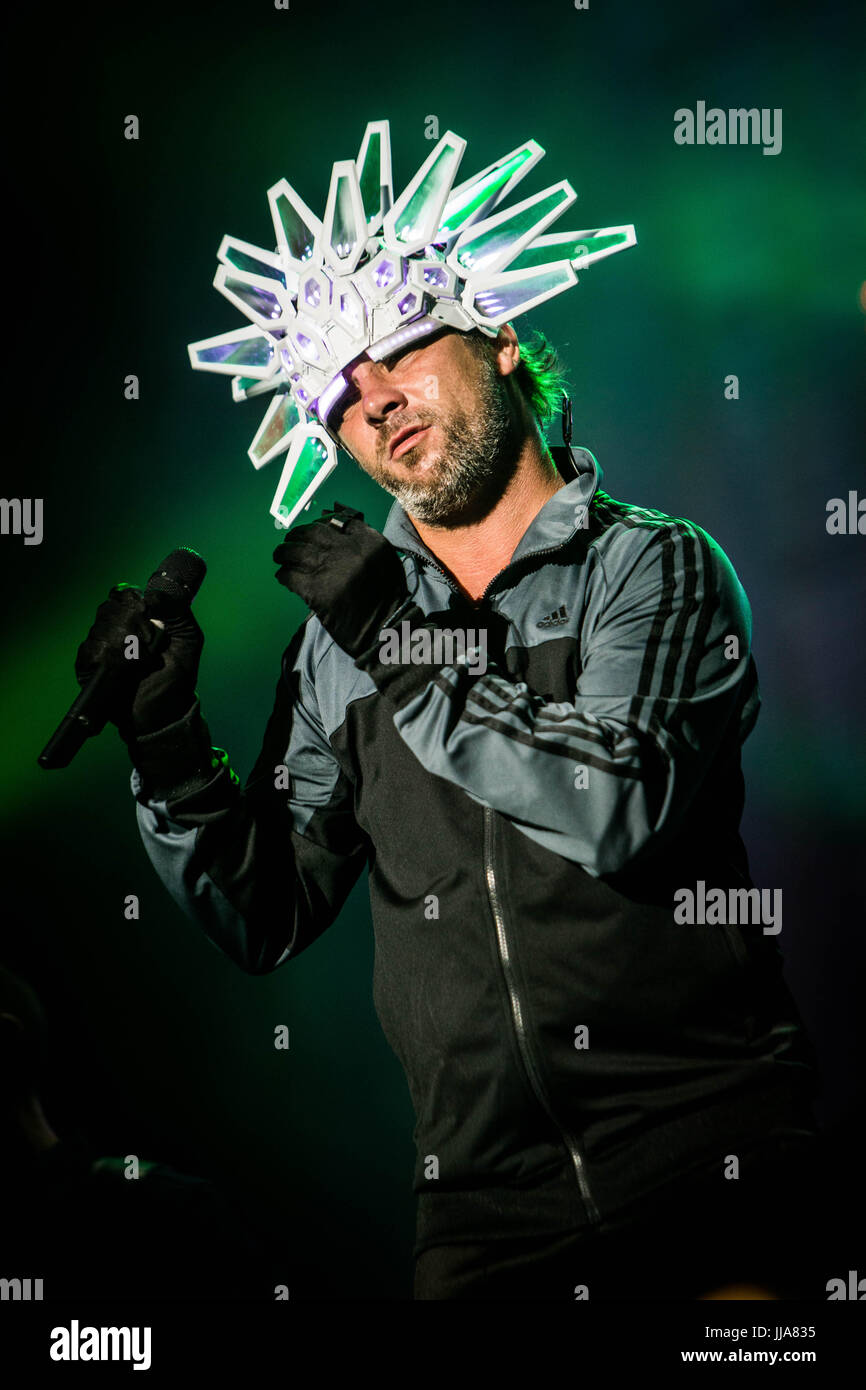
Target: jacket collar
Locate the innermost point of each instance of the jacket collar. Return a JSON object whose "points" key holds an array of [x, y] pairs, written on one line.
{"points": [[560, 517]]}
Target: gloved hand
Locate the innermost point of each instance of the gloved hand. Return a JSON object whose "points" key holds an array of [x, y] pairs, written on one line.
{"points": [[158, 687], [354, 581], [347, 573]]}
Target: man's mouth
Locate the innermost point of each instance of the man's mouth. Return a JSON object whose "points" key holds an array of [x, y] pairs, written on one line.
{"points": [[406, 439]]}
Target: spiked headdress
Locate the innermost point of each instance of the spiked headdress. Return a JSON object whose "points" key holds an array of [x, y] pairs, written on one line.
{"points": [[376, 273]]}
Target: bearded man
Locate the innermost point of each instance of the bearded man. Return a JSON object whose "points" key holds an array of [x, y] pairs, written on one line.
{"points": [[612, 1101]]}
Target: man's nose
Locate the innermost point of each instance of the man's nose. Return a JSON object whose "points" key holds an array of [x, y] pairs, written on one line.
{"points": [[380, 395]]}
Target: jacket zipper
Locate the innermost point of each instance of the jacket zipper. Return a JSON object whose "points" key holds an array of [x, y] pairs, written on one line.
{"points": [[505, 959], [519, 1028]]}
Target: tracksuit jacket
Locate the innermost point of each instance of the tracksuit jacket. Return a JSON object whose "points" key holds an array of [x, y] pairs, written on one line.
{"points": [[570, 1044]]}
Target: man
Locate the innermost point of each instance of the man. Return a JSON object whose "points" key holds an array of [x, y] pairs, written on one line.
{"points": [[606, 1093]]}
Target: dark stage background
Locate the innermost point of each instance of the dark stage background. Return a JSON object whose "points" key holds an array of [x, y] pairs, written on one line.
{"points": [[746, 264]]}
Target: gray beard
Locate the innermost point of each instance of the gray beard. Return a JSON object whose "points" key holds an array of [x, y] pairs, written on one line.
{"points": [[478, 458]]}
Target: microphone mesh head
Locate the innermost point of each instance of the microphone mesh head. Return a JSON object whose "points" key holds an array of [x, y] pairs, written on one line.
{"points": [[180, 575]]}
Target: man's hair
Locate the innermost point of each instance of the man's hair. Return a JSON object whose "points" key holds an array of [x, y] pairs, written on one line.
{"points": [[540, 373]]}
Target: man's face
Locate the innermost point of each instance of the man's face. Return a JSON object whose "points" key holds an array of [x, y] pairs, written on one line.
{"points": [[434, 424]]}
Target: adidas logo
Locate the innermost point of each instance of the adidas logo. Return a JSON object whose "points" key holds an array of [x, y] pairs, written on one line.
{"points": [[555, 619]]}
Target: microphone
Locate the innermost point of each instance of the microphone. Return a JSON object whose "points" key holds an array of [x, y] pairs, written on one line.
{"points": [[171, 588]]}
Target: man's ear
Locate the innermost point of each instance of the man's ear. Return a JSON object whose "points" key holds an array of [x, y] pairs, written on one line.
{"points": [[507, 350]]}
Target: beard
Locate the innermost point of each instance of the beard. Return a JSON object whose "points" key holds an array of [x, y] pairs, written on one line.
{"points": [[477, 458]]}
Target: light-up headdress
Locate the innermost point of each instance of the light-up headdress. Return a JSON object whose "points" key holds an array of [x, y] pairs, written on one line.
{"points": [[375, 274]]}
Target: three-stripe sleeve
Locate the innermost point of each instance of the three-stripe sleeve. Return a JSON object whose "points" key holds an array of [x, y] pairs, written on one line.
{"points": [[666, 674], [263, 869]]}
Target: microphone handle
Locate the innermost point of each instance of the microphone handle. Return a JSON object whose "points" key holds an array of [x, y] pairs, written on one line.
{"points": [[170, 590], [84, 718]]}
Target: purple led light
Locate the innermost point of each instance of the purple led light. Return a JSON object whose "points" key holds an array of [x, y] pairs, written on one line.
{"points": [[329, 397], [417, 329], [305, 343], [250, 352], [350, 311]]}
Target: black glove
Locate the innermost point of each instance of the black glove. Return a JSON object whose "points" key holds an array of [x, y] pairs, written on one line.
{"points": [[354, 581], [399, 682], [347, 573], [157, 688]]}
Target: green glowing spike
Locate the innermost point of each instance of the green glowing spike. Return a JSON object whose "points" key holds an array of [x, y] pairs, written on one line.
{"points": [[581, 247], [480, 194], [311, 458], [493, 243], [374, 173], [273, 434], [411, 224]]}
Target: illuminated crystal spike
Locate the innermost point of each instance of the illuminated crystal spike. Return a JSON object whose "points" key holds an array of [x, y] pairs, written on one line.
{"points": [[349, 310], [299, 231], [344, 231], [310, 345], [434, 277], [253, 295], [245, 387], [478, 196], [244, 256], [381, 277], [373, 167], [273, 434], [581, 248], [497, 298], [244, 351], [315, 290], [412, 222], [490, 245], [312, 456]]}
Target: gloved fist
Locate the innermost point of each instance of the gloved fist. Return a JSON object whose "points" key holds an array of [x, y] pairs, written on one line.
{"points": [[156, 687], [347, 573]]}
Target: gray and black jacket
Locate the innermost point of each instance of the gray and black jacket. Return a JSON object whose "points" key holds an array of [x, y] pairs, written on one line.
{"points": [[569, 1042]]}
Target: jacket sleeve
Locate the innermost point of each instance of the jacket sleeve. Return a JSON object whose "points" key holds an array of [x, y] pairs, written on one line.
{"points": [[666, 674], [263, 869]]}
